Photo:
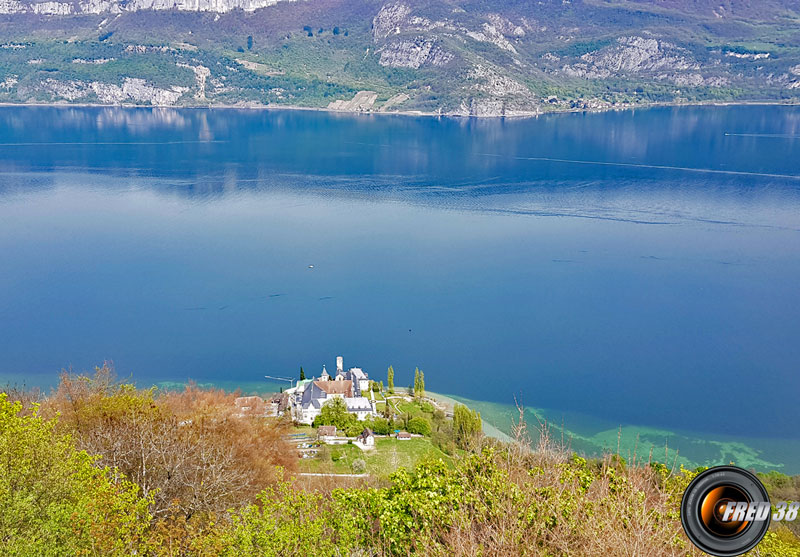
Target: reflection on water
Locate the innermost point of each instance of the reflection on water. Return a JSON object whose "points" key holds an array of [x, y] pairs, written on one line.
{"points": [[637, 266]]}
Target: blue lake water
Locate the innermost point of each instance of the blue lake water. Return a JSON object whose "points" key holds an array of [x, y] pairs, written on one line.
{"points": [[637, 268]]}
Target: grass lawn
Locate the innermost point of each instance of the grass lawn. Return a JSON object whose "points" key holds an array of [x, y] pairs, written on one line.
{"points": [[391, 454], [388, 455], [325, 465], [414, 409]]}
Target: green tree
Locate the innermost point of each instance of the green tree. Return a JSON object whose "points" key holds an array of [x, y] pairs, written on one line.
{"points": [[390, 380], [249, 42], [289, 521], [334, 412], [421, 384], [380, 425], [467, 427], [416, 382], [54, 500], [354, 428], [419, 425], [302, 374]]}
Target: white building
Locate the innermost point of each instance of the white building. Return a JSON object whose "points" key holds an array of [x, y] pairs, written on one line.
{"points": [[367, 438], [360, 406], [355, 374], [308, 397]]}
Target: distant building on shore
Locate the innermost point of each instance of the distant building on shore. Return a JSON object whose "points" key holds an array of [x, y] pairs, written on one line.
{"points": [[309, 395]]}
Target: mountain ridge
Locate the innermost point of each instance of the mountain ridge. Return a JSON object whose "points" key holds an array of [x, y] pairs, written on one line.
{"points": [[479, 58]]}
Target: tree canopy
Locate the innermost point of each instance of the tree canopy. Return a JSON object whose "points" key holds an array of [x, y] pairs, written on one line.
{"points": [[334, 412], [467, 426], [54, 500]]}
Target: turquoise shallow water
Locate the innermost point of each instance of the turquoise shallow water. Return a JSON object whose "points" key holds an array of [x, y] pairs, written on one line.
{"points": [[593, 436], [628, 268]]}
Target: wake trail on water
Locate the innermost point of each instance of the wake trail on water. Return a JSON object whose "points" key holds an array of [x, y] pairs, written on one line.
{"points": [[770, 135], [642, 165], [50, 143]]}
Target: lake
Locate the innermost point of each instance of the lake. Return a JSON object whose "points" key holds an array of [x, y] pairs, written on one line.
{"points": [[638, 268]]}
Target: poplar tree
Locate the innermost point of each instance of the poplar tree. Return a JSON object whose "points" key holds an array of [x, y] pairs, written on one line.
{"points": [[302, 374], [467, 426], [390, 380], [416, 382], [421, 384]]}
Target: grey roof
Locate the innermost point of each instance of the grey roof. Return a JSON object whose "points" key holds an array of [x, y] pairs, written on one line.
{"points": [[313, 396], [358, 404], [358, 373]]}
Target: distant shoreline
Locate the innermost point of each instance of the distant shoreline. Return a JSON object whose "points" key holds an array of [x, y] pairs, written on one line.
{"points": [[416, 113], [762, 454]]}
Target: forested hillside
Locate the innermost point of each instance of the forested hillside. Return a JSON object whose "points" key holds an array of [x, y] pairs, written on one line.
{"points": [[459, 57]]}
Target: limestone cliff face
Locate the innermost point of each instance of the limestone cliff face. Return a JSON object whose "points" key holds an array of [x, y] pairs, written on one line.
{"points": [[132, 90], [636, 56], [406, 38], [400, 19], [50, 8], [413, 53]]}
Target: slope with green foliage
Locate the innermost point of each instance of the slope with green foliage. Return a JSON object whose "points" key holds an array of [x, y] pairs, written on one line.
{"points": [[476, 57], [55, 500], [495, 499]]}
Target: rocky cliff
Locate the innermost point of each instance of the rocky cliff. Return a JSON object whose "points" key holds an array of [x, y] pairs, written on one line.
{"points": [[471, 58], [119, 6]]}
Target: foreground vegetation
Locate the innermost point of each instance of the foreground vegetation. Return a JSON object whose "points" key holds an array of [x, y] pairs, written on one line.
{"points": [[101, 468]]}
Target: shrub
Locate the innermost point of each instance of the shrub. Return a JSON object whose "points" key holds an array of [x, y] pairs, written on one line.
{"points": [[359, 466], [288, 521], [419, 425], [185, 448], [55, 501], [380, 426]]}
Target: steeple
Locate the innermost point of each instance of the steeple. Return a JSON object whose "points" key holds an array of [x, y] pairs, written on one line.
{"points": [[324, 375]]}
